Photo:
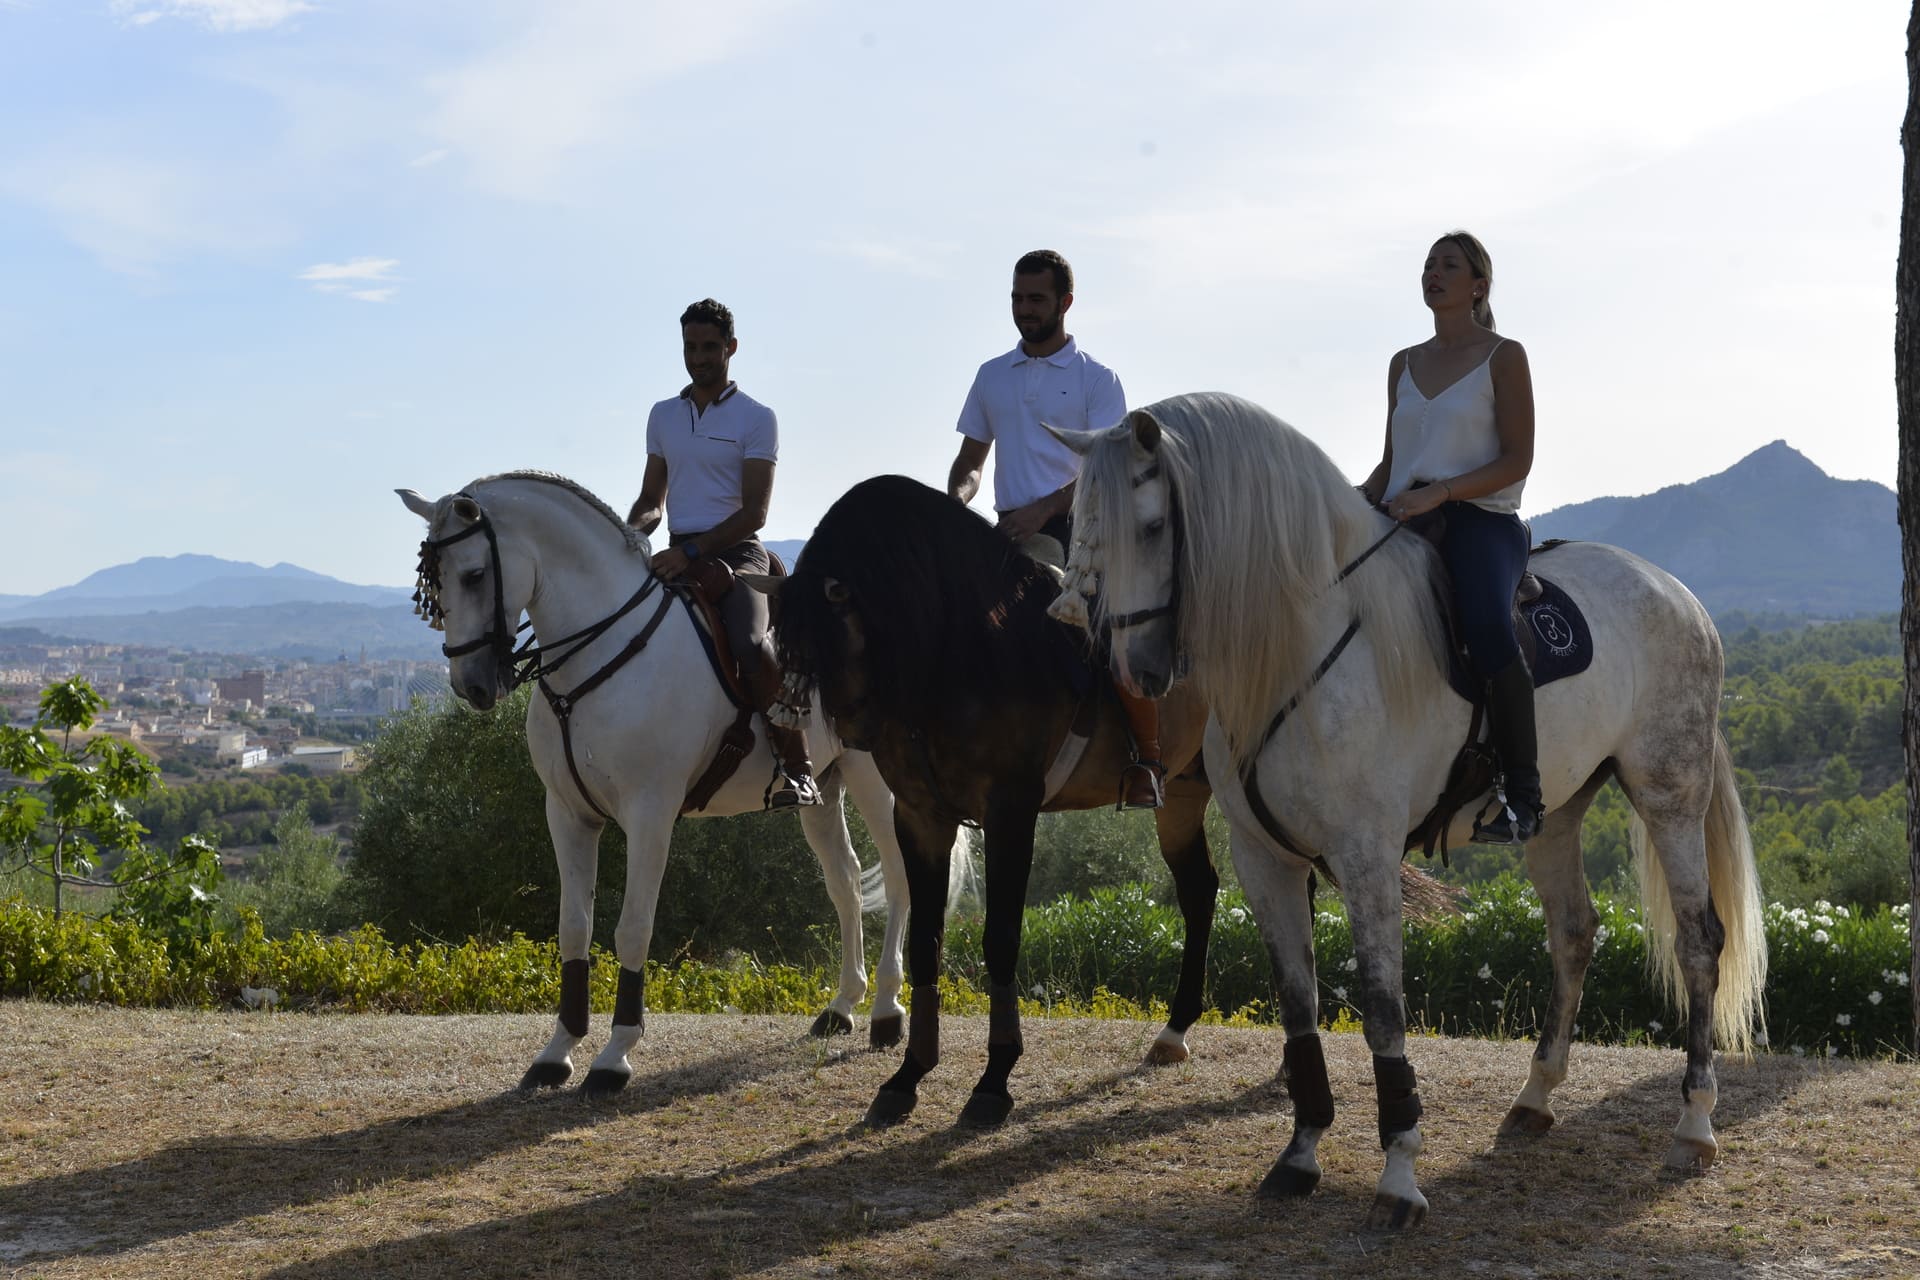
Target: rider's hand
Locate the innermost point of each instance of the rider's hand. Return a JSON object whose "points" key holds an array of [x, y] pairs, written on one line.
{"points": [[670, 563], [1417, 502], [1023, 522]]}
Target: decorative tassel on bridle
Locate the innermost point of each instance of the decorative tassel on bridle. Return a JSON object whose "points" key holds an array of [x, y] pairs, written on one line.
{"points": [[1081, 581], [793, 709], [426, 588]]}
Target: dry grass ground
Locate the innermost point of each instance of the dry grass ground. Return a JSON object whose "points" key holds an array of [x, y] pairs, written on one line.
{"points": [[176, 1144]]}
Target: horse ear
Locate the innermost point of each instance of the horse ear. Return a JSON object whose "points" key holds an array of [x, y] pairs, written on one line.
{"points": [[1078, 441], [416, 504], [765, 583], [837, 591], [466, 508], [1146, 430]]}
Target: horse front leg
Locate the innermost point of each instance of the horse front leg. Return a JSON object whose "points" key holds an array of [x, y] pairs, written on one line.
{"points": [[926, 843], [1009, 834], [1181, 825], [576, 847], [1277, 891], [648, 823], [825, 826], [886, 1017], [1370, 879]]}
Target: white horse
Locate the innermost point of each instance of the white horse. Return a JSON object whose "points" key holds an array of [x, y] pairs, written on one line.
{"points": [[630, 714], [1226, 544]]}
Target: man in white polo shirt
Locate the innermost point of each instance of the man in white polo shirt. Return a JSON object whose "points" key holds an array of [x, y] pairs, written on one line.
{"points": [[1047, 378], [711, 451]]}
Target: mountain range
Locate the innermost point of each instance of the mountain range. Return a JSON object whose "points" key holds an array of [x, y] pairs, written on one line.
{"points": [[1772, 534]]}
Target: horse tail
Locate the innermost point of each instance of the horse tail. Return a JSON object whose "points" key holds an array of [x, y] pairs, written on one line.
{"points": [[1733, 884], [963, 877]]}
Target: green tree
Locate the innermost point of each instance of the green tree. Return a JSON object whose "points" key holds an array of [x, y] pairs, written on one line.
{"points": [[70, 813], [297, 882]]}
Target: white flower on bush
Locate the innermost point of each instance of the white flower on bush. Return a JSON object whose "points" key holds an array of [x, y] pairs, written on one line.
{"points": [[1833, 1051], [1353, 962], [1654, 1026], [1843, 1019], [1486, 972], [1499, 1004], [1237, 914], [1760, 1037], [1821, 935], [1339, 993], [1600, 936], [1874, 997], [1799, 1051]]}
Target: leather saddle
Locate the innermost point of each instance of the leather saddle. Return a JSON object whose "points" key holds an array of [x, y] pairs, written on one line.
{"points": [[701, 588]]}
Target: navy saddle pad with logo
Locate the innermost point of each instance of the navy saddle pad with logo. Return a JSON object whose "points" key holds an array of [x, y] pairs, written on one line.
{"points": [[1554, 638]]}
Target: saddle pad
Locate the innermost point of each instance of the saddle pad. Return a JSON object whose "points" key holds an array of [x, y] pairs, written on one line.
{"points": [[1553, 636]]}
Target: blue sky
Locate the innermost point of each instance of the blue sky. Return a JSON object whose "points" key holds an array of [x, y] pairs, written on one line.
{"points": [[262, 261]]}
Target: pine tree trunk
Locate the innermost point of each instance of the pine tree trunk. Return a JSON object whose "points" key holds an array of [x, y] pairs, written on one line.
{"points": [[1906, 374]]}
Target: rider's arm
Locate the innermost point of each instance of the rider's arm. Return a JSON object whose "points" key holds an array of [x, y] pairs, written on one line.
{"points": [[1374, 487], [963, 477], [756, 494], [650, 506]]}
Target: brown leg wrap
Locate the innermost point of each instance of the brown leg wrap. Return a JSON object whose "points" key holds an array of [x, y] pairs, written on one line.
{"points": [[1305, 1062], [630, 999], [1003, 1017], [573, 996], [1394, 1085], [923, 1026]]}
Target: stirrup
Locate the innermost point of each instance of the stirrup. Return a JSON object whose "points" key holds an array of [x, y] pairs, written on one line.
{"points": [[788, 791], [1154, 772], [1508, 825]]}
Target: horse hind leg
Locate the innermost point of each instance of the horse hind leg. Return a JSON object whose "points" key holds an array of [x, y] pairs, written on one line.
{"points": [[1183, 844], [825, 827], [1553, 861]]}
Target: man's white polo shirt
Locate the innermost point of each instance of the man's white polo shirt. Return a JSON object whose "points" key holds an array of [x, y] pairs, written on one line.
{"points": [[1014, 393], [705, 453]]}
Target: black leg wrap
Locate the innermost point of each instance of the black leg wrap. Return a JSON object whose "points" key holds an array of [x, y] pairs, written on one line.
{"points": [[1305, 1063], [573, 996], [1400, 1108], [923, 1026], [1003, 1018], [630, 999]]}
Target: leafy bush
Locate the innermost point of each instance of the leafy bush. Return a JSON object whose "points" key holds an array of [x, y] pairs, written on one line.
{"points": [[1839, 984]]}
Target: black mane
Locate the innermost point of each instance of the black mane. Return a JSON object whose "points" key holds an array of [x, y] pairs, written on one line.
{"points": [[949, 608]]}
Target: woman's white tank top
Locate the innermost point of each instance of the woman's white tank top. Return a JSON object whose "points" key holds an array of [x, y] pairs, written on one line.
{"points": [[1448, 435]]}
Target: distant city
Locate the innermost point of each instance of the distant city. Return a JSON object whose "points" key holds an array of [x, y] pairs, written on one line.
{"points": [[196, 712]]}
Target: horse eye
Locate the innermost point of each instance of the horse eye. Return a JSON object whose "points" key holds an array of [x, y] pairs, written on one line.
{"points": [[472, 577], [1155, 528]]}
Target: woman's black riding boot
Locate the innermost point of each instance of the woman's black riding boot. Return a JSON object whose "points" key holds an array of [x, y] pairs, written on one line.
{"points": [[1510, 725]]}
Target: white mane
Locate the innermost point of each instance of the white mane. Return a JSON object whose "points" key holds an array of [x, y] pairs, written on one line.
{"points": [[635, 539], [1269, 522]]}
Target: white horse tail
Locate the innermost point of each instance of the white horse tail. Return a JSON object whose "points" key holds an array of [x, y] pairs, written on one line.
{"points": [[1734, 883], [963, 876]]}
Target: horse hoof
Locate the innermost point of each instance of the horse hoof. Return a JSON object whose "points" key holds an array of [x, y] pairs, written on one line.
{"points": [[884, 1033], [1166, 1053], [986, 1111], [891, 1106], [1396, 1213], [604, 1082], [1287, 1182], [546, 1075], [831, 1022], [1525, 1122], [1689, 1156]]}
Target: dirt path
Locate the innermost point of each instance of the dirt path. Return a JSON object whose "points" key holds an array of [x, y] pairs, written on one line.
{"points": [[161, 1144]]}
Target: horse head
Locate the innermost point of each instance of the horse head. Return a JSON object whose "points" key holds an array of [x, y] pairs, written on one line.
{"points": [[472, 585], [1127, 523]]}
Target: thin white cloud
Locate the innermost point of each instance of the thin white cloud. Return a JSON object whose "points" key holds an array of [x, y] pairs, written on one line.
{"points": [[430, 158], [341, 277], [927, 260], [527, 114], [357, 269], [216, 15]]}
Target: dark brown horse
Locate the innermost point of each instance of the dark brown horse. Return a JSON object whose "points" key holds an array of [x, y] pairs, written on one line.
{"points": [[926, 635]]}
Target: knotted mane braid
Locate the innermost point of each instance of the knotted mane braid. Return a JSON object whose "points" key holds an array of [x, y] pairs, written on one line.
{"points": [[426, 587]]}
